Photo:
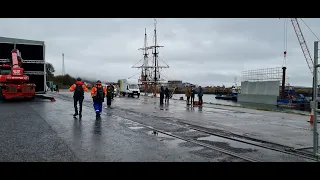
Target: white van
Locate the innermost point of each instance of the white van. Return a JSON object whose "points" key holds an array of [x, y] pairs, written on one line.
{"points": [[129, 87]]}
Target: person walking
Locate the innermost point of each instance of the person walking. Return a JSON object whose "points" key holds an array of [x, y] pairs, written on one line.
{"points": [[167, 95], [112, 89], [78, 90], [200, 94], [109, 95], [98, 92], [161, 95], [188, 94], [193, 93]]}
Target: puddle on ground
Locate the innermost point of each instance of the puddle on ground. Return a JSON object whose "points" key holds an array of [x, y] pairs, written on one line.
{"points": [[190, 130], [197, 148], [230, 143], [170, 141], [173, 143], [137, 127], [161, 135], [133, 124], [134, 114]]}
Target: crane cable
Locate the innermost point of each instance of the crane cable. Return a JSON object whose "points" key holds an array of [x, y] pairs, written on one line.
{"points": [[310, 29], [285, 42]]}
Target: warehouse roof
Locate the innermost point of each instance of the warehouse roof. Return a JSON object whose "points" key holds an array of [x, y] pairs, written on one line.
{"points": [[20, 41]]}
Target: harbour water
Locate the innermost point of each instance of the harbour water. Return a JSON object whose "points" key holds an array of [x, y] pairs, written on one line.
{"points": [[210, 99]]}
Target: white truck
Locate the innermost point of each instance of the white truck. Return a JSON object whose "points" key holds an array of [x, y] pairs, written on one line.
{"points": [[129, 87]]}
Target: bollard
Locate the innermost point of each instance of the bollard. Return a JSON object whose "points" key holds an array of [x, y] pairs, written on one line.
{"points": [[311, 116]]}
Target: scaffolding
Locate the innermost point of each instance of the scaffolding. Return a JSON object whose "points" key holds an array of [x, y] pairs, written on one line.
{"points": [[267, 74]]}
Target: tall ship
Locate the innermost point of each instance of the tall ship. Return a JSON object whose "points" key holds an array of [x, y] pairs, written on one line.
{"points": [[152, 67]]}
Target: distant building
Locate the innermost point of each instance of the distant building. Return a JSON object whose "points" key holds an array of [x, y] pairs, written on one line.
{"points": [[174, 83], [185, 84], [111, 83], [89, 85]]}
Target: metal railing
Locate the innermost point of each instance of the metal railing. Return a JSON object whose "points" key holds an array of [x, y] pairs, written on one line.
{"points": [[24, 61], [34, 73]]}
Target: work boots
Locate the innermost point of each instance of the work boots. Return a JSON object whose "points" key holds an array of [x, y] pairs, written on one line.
{"points": [[97, 114], [76, 113]]}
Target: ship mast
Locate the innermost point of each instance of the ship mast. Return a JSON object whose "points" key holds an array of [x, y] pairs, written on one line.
{"points": [[155, 53], [147, 71], [145, 56], [144, 69]]}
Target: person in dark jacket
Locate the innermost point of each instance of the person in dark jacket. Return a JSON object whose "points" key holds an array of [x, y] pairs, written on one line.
{"points": [[200, 94], [112, 89], [78, 90], [167, 95], [193, 93], [109, 95], [161, 95]]}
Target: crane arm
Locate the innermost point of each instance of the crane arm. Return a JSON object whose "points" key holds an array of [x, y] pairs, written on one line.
{"points": [[302, 43]]}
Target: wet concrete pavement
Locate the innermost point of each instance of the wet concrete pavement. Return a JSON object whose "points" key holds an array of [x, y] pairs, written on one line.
{"points": [[46, 131], [118, 136], [26, 136], [281, 128]]}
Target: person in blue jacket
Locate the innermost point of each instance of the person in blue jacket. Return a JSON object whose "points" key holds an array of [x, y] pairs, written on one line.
{"points": [[200, 94]]}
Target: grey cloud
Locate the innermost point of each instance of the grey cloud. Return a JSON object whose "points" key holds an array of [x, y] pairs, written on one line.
{"points": [[202, 51]]}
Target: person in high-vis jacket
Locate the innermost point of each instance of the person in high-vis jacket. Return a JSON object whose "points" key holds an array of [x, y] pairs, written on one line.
{"points": [[78, 90], [98, 92]]}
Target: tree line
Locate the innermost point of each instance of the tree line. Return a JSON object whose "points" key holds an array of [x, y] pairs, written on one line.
{"points": [[63, 81]]}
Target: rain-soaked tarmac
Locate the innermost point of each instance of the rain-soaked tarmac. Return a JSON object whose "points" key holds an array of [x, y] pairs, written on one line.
{"points": [[46, 131]]}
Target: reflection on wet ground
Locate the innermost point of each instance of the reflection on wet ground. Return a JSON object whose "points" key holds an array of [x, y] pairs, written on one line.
{"points": [[117, 136]]}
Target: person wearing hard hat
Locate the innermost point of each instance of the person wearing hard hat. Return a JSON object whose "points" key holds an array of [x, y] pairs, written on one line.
{"points": [[98, 92]]}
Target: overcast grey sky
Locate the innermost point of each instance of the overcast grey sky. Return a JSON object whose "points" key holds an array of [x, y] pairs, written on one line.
{"points": [[201, 51]]}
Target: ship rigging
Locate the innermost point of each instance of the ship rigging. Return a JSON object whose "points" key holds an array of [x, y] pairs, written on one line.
{"points": [[150, 69]]}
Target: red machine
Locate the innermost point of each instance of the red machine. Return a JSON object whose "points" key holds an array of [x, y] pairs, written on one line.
{"points": [[13, 83]]}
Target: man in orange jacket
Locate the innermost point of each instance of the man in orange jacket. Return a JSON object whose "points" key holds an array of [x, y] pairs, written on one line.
{"points": [[78, 90], [98, 93]]}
